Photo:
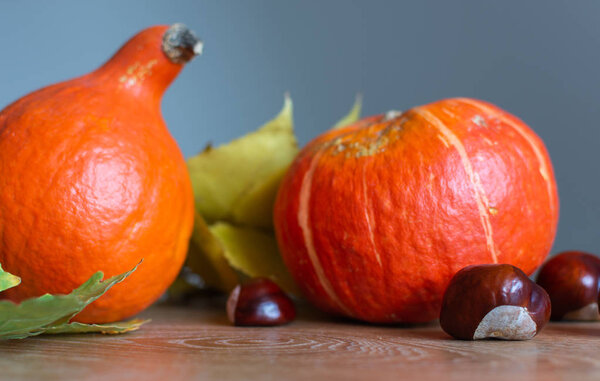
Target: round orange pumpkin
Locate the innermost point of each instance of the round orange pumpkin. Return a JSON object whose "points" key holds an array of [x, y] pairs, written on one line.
{"points": [[92, 180], [374, 219]]}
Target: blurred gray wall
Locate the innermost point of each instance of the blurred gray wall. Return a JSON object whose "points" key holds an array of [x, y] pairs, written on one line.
{"points": [[537, 59]]}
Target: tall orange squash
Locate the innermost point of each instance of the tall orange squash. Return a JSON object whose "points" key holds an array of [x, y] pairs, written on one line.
{"points": [[374, 219], [91, 180]]}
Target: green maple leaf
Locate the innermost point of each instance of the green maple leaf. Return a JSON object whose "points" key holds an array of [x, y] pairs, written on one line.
{"points": [[7, 280], [52, 313], [107, 328]]}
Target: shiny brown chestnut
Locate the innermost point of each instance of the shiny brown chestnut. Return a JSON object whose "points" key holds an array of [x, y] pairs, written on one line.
{"points": [[259, 302], [572, 279], [493, 301]]}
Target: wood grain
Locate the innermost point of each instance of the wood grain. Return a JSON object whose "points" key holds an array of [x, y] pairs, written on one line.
{"points": [[197, 342]]}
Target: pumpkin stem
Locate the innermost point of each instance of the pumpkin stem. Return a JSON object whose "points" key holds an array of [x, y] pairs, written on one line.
{"points": [[180, 44]]}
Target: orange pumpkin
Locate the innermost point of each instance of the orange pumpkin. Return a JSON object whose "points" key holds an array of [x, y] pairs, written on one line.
{"points": [[92, 180], [374, 219]]}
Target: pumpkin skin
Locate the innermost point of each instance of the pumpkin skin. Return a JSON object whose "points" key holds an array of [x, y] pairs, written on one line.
{"points": [[374, 219], [92, 181]]}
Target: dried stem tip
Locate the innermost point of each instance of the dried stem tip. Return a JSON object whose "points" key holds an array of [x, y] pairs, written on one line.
{"points": [[180, 44]]}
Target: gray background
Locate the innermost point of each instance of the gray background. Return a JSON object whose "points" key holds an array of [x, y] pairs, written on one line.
{"points": [[537, 59]]}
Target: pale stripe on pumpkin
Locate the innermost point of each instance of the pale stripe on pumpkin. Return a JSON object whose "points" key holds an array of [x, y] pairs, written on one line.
{"points": [[448, 137], [368, 214], [543, 167], [304, 222]]}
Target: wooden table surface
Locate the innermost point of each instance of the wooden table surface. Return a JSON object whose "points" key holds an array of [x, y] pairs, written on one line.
{"points": [[196, 342]]}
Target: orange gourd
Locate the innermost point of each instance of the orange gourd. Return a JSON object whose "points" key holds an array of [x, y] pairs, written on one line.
{"points": [[91, 180], [374, 219]]}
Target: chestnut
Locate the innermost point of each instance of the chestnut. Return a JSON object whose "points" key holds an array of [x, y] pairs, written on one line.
{"points": [[572, 279], [259, 302], [493, 301]]}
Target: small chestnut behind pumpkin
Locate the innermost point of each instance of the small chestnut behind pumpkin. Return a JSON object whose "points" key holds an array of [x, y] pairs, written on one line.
{"points": [[494, 301], [572, 280], [259, 302]]}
